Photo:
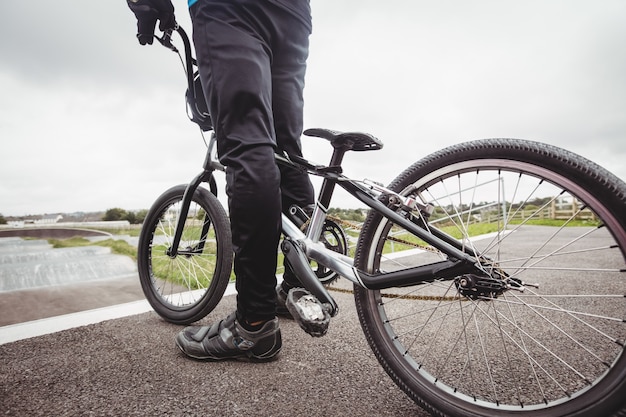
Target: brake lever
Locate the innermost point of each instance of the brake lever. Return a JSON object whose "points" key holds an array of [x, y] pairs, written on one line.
{"points": [[166, 40]]}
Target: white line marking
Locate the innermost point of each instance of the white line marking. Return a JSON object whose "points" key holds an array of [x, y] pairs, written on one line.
{"points": [[27, 330]]}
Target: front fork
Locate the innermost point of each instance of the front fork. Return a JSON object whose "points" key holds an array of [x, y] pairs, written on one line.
{"points": [[174, 250]]}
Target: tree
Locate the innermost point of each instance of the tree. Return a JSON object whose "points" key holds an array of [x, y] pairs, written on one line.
{"points": [[140, 216], [2, 219], [133, 217], [114, 214], [355, 215]]}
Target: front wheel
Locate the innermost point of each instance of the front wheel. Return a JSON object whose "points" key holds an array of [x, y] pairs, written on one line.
{"points": [[186, 287], [551, 343]]}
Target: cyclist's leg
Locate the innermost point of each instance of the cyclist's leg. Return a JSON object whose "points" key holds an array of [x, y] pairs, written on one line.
{"points": [[290, 51], [235, 70], [288, 84]]}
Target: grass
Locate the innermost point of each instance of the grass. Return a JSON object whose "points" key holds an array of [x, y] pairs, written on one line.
{"points": [[472, 230], [134, 230], [193, 272], [119, 247], [413, 241], [558, 223]]}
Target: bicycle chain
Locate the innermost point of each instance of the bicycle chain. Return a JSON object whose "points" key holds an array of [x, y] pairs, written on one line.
{"points": [[405, 296]]}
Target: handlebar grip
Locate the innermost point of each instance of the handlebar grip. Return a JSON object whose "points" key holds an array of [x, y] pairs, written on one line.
{"points": [[166, 40]]}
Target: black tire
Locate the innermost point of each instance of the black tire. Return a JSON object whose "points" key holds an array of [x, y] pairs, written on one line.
{"points": [[185, 288], [554, 350]]}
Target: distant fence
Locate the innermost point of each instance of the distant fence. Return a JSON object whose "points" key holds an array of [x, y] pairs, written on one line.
{"points": [[556, 210]]}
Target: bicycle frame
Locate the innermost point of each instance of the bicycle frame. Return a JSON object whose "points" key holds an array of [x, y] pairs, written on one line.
{"points": [[299, 247]]}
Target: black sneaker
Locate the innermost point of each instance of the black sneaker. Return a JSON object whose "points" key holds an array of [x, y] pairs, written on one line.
{"points": [[281, 303], [226, 339]]}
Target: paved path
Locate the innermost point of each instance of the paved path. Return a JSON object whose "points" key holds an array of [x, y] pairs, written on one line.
{"points": [[130, 366]]}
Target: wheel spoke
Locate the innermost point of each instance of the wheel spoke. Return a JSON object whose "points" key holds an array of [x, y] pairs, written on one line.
{"points": [[554, 329]]}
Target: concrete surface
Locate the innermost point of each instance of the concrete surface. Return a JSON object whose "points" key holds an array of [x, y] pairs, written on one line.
{"points": [[131, 367], [24, 268], [37, 281]]}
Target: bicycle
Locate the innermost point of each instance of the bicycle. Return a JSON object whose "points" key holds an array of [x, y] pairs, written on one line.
{"points": [[475, 292]]}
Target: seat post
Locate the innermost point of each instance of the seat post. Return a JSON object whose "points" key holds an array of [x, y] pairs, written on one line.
{"points": [[328, 185], [337, 157]]}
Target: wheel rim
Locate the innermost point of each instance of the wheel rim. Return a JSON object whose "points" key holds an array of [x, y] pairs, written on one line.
{"points": [[520, 351]]}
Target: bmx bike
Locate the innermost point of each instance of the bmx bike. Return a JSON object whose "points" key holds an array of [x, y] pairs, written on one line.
{"points": [[489, 277]]}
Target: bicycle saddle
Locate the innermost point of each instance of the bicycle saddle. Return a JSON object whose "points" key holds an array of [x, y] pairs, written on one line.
{"points": [[354, 141]]}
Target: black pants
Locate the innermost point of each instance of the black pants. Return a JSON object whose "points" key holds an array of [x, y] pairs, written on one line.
{"points": [[252, 61]]}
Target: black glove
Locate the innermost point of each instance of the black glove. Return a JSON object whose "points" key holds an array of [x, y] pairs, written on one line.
{"points": [[147, 13]]}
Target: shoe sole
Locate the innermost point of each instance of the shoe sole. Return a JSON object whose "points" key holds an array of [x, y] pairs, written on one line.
{"points": [[242, 358]]}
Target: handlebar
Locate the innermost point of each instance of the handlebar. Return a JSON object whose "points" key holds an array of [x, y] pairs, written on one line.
{"points": [[198, 111]]}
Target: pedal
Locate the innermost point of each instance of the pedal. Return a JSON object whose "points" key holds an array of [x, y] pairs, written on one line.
{"points": [[312, 316]]}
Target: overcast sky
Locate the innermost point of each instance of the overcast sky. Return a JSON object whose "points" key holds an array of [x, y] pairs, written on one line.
{"points": [[89, 120]]}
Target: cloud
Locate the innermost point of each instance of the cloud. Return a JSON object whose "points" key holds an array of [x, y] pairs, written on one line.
{"points": [[437, 73], [90, 120]]}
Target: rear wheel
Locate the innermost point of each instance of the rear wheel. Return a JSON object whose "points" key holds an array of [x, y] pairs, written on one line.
{"points": [[186, 287], [532, 213]]}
